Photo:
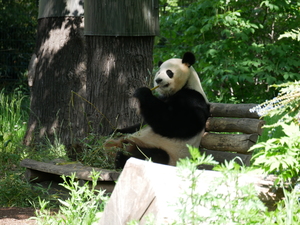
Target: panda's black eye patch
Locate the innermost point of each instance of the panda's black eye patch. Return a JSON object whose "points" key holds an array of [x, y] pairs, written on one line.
{"points": [[170, 73]]}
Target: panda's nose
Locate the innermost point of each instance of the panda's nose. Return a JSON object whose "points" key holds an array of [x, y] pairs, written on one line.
{"points": [[158, 80]]}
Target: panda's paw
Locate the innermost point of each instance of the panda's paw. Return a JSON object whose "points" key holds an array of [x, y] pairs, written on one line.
{"points": [[142, 93]]}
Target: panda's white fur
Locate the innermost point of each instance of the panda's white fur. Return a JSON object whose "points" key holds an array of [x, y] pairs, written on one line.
{"points": [[183, 77], [175, 148]]}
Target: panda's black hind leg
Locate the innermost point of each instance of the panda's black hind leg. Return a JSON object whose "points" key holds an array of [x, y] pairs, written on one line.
{"points": [[121, 160], [154, 154]]}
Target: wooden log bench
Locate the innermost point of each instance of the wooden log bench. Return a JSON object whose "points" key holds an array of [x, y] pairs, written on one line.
{"points": [[230, 131]]}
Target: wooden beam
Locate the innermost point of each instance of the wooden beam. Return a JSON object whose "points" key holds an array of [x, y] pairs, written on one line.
{"points": [[228, 142], [244, 125], [232, 110], [41, 170]]}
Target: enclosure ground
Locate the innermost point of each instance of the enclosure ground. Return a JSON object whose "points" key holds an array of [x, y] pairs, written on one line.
{"points": [[17, 216]]}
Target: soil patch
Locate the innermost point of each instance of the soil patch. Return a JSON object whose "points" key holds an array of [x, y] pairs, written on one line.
{"points": [[17, 216]]}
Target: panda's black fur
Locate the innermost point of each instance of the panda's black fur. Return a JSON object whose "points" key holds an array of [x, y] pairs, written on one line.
{"points": [[179, 116]]}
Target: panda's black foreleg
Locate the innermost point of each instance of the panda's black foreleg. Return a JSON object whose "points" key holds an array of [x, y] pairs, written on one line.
{"points": [[154, 154]]}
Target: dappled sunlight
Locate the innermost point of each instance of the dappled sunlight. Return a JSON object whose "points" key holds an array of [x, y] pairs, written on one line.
{"points": [[51, 46]]}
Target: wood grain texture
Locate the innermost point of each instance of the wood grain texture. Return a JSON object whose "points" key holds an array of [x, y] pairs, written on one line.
{"points": [[222, 156], [121, 18], [244, 125], [60, 69], [232, 110], [117, 66], [228, 142], [38, 169]]}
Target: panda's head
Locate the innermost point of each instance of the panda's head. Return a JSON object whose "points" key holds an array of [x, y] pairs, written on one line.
{"points": [[174, 74]]}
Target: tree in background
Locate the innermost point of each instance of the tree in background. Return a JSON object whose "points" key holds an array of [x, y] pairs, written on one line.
{"points": [[236, 43], [57, 70], [120, 57], [82, 84]]}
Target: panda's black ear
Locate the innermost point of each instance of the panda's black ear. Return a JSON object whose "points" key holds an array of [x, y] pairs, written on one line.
{"points": [[188, 58], [159, 63]]}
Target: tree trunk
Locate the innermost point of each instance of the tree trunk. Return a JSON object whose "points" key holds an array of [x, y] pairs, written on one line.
{"points": [[60, 69], [116, 67]]}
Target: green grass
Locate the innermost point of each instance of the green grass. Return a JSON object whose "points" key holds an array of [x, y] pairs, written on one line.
{"points": [[13, 118], [81, 208], [15, 190]]}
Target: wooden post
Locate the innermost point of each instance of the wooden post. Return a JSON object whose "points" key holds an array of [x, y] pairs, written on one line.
{"points": [[120, 39]]}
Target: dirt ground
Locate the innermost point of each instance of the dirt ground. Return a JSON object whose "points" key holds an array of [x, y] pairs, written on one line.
{"points": [[21, 216], [17, 216]]}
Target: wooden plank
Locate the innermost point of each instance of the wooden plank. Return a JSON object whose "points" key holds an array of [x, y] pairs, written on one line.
{"points": [[244, 125], [232, 110], [228, 142], [82, 172], [130, 18]]}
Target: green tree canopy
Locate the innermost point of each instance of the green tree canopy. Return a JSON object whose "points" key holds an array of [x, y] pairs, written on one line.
{"points": [[18, 23], [237, 45]]}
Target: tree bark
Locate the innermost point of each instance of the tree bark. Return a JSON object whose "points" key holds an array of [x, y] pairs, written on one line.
{"points": [[116, 67], [60, 69]]}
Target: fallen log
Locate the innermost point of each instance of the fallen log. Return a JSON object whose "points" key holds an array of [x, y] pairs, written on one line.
{"points": [[244, 125], [232, 110], [228, 142]]}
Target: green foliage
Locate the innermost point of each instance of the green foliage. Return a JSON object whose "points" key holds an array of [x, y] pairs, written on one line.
{"points": [[225, 201], [18, 23], [13, 117], [237, 45], [16, 191], [288, 210], [280, 155], [93, 154], [82, 207]]}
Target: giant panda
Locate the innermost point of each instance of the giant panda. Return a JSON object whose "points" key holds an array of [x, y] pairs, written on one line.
{"points": [[174, 117]]}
